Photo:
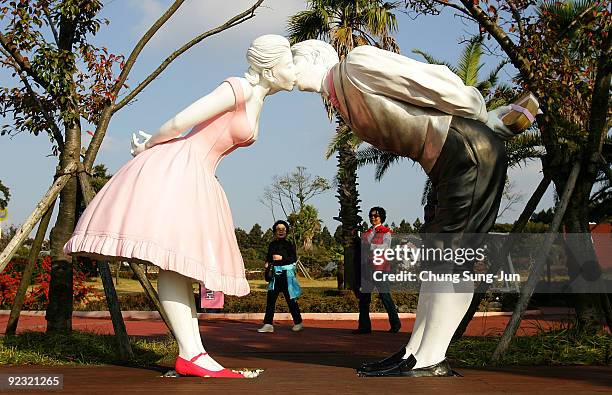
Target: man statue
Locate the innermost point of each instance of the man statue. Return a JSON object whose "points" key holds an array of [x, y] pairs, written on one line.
{"points": [[426, 113]]}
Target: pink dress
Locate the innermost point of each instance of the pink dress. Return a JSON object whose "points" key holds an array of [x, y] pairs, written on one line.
{"points": [[166, 207]]}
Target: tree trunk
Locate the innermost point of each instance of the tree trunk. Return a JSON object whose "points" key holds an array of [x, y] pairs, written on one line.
{"points": [[340, 275], [607, 308], [59, 309], [519, 225], [348, 197], [538, 267], [582, 260], [26, 279]]}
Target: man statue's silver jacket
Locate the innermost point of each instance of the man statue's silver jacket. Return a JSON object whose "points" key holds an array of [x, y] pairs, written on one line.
{"points": [[401, 105]]}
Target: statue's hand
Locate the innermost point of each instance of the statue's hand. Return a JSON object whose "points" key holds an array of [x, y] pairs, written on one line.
{"points": [[496, 124], [137, 146]]}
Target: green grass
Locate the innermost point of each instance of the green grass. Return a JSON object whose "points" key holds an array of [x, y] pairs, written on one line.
{"points": [[125, 286], [129, 286], [561, 347], [81, 348]]}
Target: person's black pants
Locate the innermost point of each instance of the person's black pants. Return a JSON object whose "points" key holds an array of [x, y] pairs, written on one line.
{"points": [[364, 309], [280, 285]]}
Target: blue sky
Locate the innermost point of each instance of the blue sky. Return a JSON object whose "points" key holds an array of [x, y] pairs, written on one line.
{"points": [[294, 129]]}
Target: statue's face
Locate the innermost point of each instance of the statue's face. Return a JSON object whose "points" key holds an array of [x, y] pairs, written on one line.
{"points": [[283, 74], [309, 76]]}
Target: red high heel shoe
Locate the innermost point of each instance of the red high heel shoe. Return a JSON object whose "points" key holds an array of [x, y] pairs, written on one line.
{"points": [[189, 368]]}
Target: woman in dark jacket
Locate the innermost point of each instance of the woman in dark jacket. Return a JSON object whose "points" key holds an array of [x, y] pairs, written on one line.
{"points": [[282, 259]]}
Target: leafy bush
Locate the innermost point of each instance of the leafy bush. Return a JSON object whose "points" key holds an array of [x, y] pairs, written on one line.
{"points": [[316, 259], [38, 296], [313, 300]]}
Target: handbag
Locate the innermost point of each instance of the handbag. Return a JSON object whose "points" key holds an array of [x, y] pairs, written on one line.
{"points": [[269, 272]]}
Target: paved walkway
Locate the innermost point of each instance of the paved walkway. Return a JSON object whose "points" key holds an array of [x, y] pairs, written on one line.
{"points": [[319, 360], [310, 376]]}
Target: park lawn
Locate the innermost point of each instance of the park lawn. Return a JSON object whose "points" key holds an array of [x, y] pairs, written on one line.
{"points": [[130, 286], [560, 347], [125, 285], [315, 298]]}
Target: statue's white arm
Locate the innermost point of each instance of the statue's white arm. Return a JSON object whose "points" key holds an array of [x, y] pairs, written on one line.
{"points": [[220, 100]]}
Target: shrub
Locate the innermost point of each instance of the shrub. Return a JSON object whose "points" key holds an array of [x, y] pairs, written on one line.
{"points": [[38, 296], [313, 300], [315, 260]]}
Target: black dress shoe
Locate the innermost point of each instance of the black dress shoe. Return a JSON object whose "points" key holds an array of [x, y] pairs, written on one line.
{"points": [[390, 360], [395, 369], [441, 369], [361, 331]]}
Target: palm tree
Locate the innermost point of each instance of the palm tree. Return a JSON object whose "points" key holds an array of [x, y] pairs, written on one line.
{"points": [[346, 24], [520, 148]]}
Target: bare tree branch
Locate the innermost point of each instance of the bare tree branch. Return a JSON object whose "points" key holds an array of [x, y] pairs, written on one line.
{"points": [[267, 201], [282, 206], [129, 63], [509, 198], [107, 112], [96, 142], [294, 189], [236, 20], [517, 18], [452, 5]]}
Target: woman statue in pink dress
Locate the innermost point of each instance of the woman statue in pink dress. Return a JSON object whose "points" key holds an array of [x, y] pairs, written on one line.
{"points": [[166, 207]]}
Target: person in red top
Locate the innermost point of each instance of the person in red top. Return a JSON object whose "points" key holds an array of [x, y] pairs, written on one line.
{"points": [[377, 237]]}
